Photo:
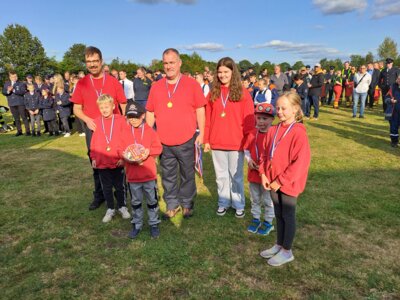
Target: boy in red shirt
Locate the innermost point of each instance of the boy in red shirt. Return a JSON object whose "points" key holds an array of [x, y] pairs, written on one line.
{"points": [[265, 114], [141, 169], [105, 158]]}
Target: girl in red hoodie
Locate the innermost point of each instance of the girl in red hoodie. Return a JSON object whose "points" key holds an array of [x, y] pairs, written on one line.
{"points": [[229, 119], [284, 170]]}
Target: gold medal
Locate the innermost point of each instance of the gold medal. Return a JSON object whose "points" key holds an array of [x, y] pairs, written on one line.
{"points": [[223, 114], [108, 149], [169, 105]]}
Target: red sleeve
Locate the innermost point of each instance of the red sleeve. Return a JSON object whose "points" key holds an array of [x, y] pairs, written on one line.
{"points": [[300, 161], [248, 113], [156, 147], [208, 120], [77, 95]]}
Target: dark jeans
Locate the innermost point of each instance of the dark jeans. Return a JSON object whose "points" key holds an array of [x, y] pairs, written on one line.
{"points": [[19, 112], [285, 215], [314, 100], [52, 126], [98, 191], [113, 178], [65, 124], [174, 161], [385, 90]]}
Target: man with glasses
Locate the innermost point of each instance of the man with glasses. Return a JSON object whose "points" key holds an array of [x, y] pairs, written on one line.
{"points": [[362, 80], [87, 90]]}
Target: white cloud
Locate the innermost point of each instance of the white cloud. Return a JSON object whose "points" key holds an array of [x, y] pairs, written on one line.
{"points": [[238, 46], [212, 47], [319, 27], [303, 50], [384, 8], [189, 2], [338, 7]]}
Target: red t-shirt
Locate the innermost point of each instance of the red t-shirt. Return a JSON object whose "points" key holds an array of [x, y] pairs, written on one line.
{"points": [[98, 145], [85, 94], [291, 160], [255, 145], [176, 125], [146, 171], [229, 132]]}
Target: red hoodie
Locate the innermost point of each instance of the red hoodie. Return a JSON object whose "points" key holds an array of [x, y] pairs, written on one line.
{"points": [[229, 132], [291, 161], [98, 146], [147, 171], [255, 144]]}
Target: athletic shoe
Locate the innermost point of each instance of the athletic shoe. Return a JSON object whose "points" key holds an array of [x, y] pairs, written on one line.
{"points": [[33, 134], [28, 133], [110, 213], [270, 252], [265, 228], [221, 211], [82, 134], [239, 213], [255, 224], [187, 213], [281, 258], [394, 145], [38, 133], [134, 232], [124, 212], [94, 205], [67, 134], [57, 133], [18, 133], [154, 231]]}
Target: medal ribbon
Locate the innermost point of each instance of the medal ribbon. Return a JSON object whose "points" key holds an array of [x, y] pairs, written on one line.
{"points": [[101, 90], [176, 86], [133, 133], [224, 101], [111, 130], [274, 143]]}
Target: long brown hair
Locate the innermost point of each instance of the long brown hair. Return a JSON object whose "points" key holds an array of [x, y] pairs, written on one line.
{"points": [[235, 86]]}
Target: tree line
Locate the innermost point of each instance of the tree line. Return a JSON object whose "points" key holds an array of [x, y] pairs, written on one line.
{"points": [[24, 53]]}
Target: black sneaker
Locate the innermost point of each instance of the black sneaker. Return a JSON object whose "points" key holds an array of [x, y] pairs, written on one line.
{"points": [[28, 133], [154, 231], [18, 133], [94, 205], [38, 133], [134, 232], [33, 134], [50, 133], [57, 133], [394, 145]]}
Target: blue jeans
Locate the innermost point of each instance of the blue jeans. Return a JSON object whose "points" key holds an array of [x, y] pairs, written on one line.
{"points": [[356, 97], [315, 102]]}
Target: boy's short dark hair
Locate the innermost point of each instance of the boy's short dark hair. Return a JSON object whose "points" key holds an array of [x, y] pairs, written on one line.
{"points": [[297, 77], [12, 73], [91, 50]]}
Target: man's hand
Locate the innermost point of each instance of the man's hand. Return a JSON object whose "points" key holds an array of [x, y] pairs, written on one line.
{"points": [[90, 124], [207, 147], [93, 164], [265, 182], [199, 139]]}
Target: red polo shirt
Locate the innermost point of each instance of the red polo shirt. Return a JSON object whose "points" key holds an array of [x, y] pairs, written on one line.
{"points": [[85, 94], [177, 124]]}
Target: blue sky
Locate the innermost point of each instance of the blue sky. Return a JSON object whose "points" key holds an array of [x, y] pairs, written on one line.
{"points": [[258, 30]]}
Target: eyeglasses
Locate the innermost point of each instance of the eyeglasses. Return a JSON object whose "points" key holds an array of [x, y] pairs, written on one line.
{"points": [[92, 62]]}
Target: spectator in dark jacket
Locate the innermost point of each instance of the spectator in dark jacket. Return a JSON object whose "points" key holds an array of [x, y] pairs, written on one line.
{"points": [[373, 70], [314, 91], [301, 88]]}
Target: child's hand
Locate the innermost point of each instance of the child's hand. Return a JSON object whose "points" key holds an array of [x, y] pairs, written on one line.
{"points": [[93, 164], [36, 112], [393, 100], [31, 113], [275, 186], [120, 163], [265, 182], [207, 147], [146, 155], [253, 165]]}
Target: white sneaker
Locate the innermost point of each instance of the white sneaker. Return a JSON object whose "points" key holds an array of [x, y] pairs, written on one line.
{"points": [[239, 213], [281, 258], [124, 212], [82, 134], [67, 134], [270, 252], [110, 213]]}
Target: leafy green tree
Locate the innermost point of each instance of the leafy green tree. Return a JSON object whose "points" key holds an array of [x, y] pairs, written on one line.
{"points": [[267, 65], [388, 48], [284, 66], [21, 52], [244, 65], [369, 57], [357, 60], [74, 58], [298, 65]]}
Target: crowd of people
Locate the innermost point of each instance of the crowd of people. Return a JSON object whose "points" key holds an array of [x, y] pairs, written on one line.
{"points": [[129, 123]]}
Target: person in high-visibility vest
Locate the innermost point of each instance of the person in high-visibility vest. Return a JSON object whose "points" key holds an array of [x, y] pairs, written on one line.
{"points": [[337, 82]]}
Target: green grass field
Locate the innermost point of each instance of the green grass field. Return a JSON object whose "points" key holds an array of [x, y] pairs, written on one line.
{"points": [[346, 247]]}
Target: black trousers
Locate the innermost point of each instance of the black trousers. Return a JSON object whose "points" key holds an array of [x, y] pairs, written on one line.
{"points": [[18, 112], [385, 90], [113, 178], [285, 215], [174, 161], [371, 93], [52, 126], [98, 195]]}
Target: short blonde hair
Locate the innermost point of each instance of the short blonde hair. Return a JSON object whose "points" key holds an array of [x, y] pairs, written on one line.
{"points": [[105, 98], [294, 100]]}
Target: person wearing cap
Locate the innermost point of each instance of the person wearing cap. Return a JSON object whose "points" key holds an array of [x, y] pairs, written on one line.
{"points": [[85, 95], [142, 175], [105, 157], [314, 91], [301, 88], [279, 79], [387, 78], [177, 104], [392, 113], [362, 80], [15, 90], [253, 149]]}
